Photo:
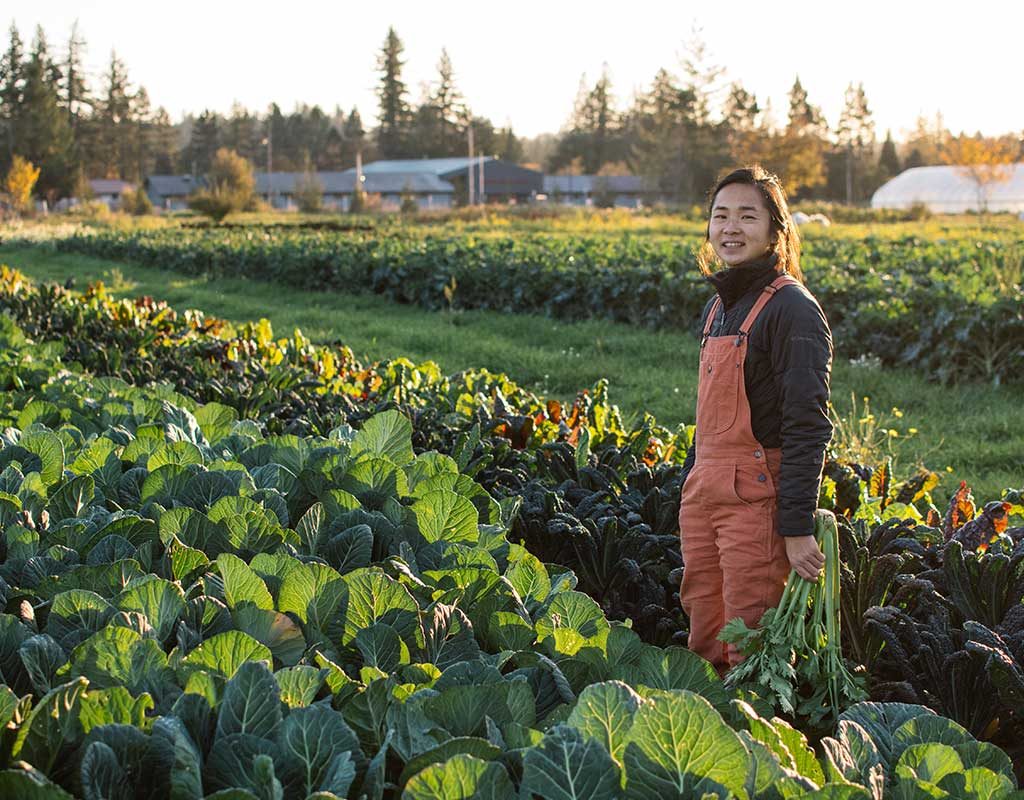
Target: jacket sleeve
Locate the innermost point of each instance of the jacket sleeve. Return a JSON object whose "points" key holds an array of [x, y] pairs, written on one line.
{"points": [[801, 355]]}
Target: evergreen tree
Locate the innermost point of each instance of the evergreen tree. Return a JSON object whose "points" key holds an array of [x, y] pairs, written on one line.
{"points": [[662, 117], [12, 87], [162, 144], [241, 133], [114, 137], [74, 96], [855, 138], [749, 140], [595, 130], [510, 147], [888, 160], [43, 133], [798, 154], [452, 113], [804, 119], [204, 144], [706, 148], [391, 95], [353, 137]]}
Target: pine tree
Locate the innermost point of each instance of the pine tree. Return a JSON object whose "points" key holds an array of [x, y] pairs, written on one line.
{"points": [[662, 118], [114, 138], [43, 134], [353, 137], [452, 113], [749, 140], [511, 147], [12, 87], [707, 149], [804, 119], [855, 137], [798, 154], [391, 95], [204, 144], [74, 97], [241, 133], [888, 160]]}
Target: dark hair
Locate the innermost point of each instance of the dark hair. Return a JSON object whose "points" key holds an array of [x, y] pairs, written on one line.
{"points": [[785, 240]]}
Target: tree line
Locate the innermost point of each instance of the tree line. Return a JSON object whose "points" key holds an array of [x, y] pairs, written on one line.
{"points": [[678, 134]]}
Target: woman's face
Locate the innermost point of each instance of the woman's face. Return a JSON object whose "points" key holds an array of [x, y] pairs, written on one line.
{"points": [[740, 226]]}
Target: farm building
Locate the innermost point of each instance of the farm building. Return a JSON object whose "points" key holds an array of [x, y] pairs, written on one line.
{"points": [[621, 191], [110, 191], [170, 192], [282, 189], [432, 182], [502, 181], [954, 190]]}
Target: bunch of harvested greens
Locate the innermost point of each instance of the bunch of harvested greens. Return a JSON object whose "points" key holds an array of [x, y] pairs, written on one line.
{"points": [[794, 657]]}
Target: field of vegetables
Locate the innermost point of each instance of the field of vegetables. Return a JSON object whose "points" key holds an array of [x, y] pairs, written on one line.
{"points": [[950, 305], [237, 565]]}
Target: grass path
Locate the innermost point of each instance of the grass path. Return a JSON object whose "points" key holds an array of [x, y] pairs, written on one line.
{"points": [[976, 430]]}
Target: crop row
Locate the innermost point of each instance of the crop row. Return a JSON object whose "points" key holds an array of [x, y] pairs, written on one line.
{"points": [[952, 308]]}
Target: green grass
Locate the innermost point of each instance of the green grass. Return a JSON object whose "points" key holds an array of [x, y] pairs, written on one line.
{"points": [[976, 430]]}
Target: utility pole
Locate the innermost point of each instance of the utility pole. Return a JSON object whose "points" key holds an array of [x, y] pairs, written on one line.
{"points": [[480, 193], [469, 181]]}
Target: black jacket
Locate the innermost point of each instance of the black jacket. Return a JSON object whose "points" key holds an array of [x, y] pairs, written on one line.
{"points": [[786, 375]]}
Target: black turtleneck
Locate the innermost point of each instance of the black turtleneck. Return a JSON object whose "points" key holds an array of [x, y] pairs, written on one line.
{"points": [[732, 283], [786, 377]]}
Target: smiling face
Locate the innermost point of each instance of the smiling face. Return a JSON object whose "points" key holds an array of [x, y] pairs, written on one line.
{"points": [[740, 225]]}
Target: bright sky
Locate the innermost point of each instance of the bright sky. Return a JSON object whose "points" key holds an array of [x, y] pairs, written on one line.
{"points": [[521, 62]]}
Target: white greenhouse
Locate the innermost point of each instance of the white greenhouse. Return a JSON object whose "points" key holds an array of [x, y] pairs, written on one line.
{"points": [[954, 190]]}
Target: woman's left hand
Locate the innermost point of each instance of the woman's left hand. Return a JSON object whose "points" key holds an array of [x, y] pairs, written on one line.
{"points": [[805, 556]]}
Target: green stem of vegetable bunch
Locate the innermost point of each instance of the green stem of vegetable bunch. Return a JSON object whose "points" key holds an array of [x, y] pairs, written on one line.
{"points": [[803, 631]]}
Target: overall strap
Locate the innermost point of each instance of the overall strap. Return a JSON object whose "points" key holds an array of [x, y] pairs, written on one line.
{"points": [[715, 305], [766, 295]]}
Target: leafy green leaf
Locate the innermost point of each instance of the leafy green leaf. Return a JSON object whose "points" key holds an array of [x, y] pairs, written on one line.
{"points": [[445, 516], [51, 725], [242, 584], [679, 746], [566, 765], [25, 782], [309, 741], [880, 721], [605, 712], [373, 596], [251, 703], [460, 778], [573, 621], [225, 653], [299, 685], [161, 601], [388, 435]]}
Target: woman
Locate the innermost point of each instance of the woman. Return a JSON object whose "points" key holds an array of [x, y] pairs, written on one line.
{"points": [[752, 476]]}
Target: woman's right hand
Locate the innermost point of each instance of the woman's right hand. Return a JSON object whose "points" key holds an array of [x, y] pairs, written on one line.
{"points": [[805, 557]]}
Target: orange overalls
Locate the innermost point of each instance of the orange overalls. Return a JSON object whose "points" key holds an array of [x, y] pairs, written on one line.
{"points": [[734, 560]]}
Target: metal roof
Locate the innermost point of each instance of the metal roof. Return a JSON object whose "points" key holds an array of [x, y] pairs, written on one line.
{"points": [[951, 190], [107, 186], [343, 182], [173, 185], [589, 184], [433, 166]]}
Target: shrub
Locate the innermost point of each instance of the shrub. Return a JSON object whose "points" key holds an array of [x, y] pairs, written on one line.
{"points": [[309, 193], [230, 185], [18, 184], [136, 202]]}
